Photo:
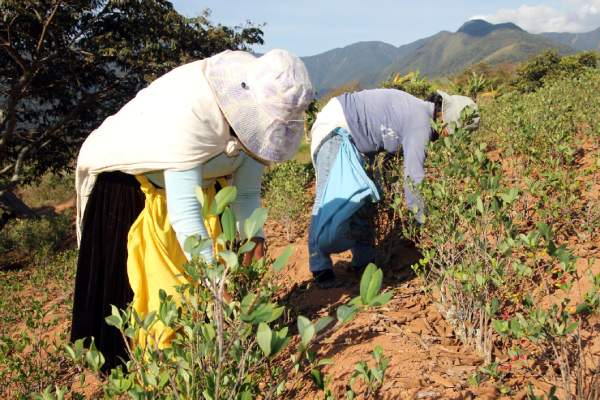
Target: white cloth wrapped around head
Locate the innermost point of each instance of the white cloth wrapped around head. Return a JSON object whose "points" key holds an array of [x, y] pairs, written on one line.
{"points": [[263, 99], [452, 108]]}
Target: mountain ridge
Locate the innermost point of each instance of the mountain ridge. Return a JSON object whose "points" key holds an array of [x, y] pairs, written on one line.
{"points": [[443, 53], [579, 41]]}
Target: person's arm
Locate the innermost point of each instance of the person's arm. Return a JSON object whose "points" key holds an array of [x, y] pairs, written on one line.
{"points": [[185, 212], [414, 149], [247, 179]]}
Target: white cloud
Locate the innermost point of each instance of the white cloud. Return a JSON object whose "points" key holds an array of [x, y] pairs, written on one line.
{"points": [[578, 16]]}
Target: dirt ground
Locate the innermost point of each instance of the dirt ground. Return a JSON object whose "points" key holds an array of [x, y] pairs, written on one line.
{"points": [[427, 361]]}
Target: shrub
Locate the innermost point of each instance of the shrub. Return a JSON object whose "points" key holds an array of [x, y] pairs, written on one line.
{"points": [[35, 239], [285, 189], [496, 241], [551, 66], [50, 189], [226, 348]]}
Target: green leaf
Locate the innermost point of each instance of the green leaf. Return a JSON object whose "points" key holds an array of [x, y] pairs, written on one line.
{"points": [[263, 313], [306, 329], [515, 328], [323, 323], [115, 318], [195, 245], [255, 222], [374, 285], [282, 260], [225, 197], [365, 281], [510, 196], [500, 326], [247, 301], [248, 246], [70, 352], [571, 328], [208, 332], [382, 299], [583, 308], [280, 340], [230, 258], [480, 205], [95, 359], [202, 199], [228, 224], [545, 230], [474, 380], [190, 243], [345, 313], [325, 361], [246, 395], [317, 378], [263, 337]]}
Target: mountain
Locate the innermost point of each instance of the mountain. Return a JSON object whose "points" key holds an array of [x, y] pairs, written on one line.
{"points": [[579, 41], [441, 54], [476, 41], [357, 62]]}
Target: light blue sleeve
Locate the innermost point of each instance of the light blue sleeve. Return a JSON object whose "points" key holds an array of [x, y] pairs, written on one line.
{"points": [[414, 148], [247, 179], [183, 207]]}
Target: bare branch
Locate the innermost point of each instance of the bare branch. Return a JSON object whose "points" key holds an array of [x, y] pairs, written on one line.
{"points": [[19, 163], [45, 28]]}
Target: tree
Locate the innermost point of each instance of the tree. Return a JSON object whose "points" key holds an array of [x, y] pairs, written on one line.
{"points": [[66, 65], [530, 76], [550, 66]]}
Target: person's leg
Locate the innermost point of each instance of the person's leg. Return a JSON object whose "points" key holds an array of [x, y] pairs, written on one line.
{"points": [[101, 280], [319, 262], [363, 233]]}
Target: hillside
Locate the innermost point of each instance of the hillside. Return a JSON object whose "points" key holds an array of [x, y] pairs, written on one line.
{"points": [[579, 41], [441, 54], [355, 62]]}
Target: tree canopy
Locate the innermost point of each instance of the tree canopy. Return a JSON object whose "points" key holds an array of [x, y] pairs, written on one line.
{"points": [[66, 65]]}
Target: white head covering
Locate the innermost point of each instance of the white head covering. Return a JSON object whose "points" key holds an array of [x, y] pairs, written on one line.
{"points": [[263, 99], [452, 108]]}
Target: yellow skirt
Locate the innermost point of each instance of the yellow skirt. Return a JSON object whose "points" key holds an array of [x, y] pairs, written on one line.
{"points": [[155, 258]]}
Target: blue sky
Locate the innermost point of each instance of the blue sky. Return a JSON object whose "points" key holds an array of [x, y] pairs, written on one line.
{"points": [[308, 27]]}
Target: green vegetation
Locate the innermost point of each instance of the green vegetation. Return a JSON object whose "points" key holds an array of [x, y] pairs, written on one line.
{"points": [[411, 83], [511, 211], [285, 189], [228, 348], [34, 325], [372, 377], [550, 66], [48, 191], [37, 240], [509, 246], [26, 240]]}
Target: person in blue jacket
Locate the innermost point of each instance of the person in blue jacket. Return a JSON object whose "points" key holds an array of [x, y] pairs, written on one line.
{"points": [[354, 127]]}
